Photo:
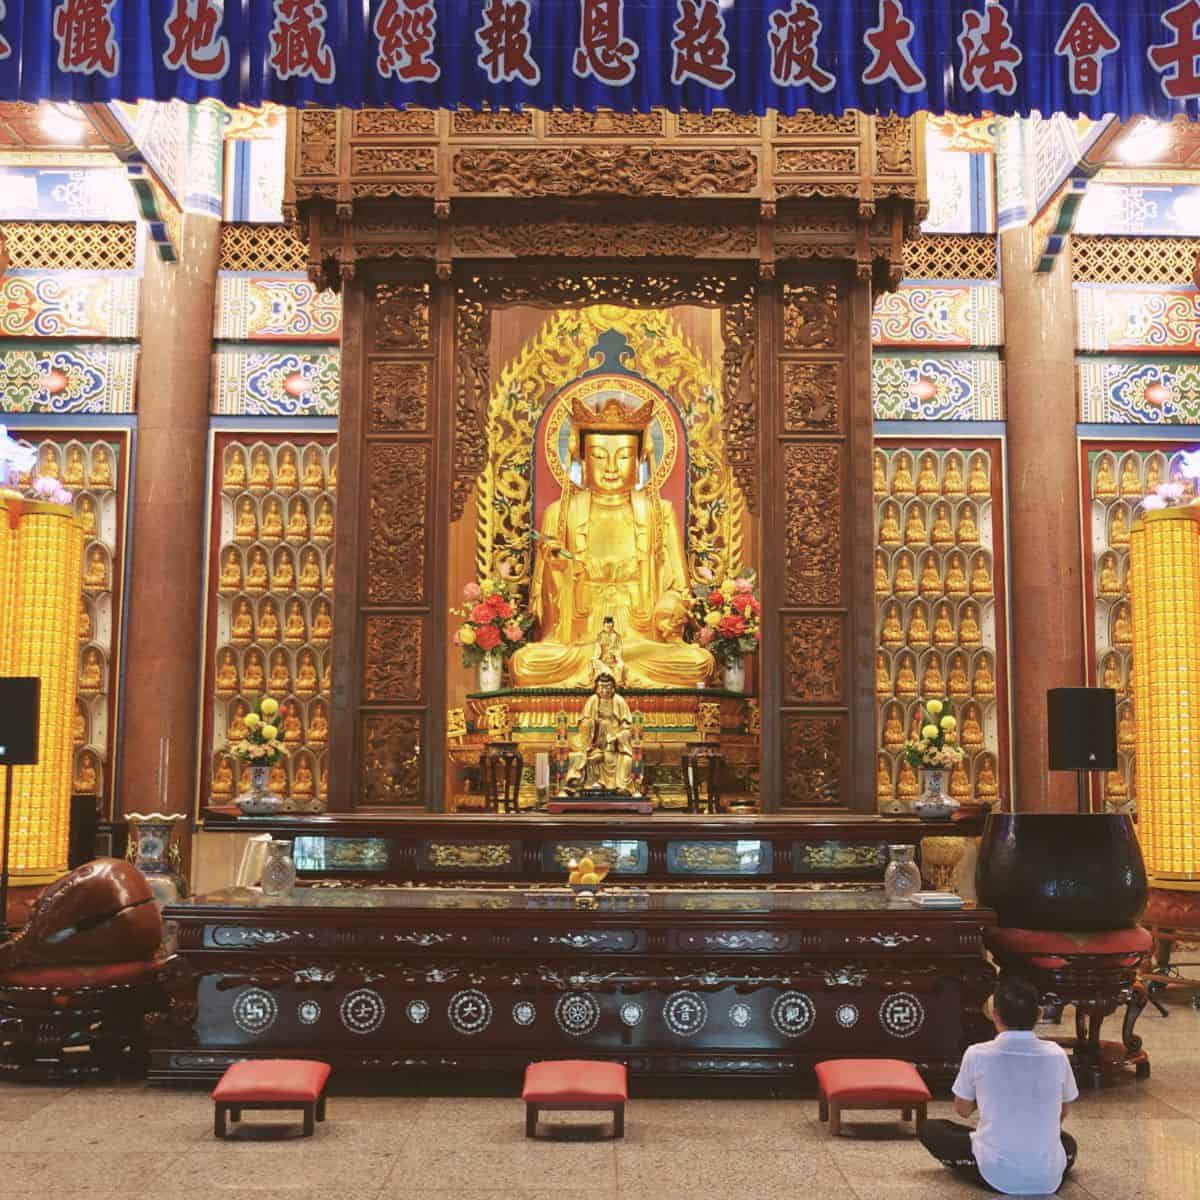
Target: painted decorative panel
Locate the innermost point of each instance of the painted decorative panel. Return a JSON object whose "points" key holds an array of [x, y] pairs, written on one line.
{"points": [[962, 192], [1139, 391], [1151, 320], [276, 383], [957, 316], [907, 387], [76, 378], [270, 608], [45, 304], [257, 308], [939, 596], [1172, 210]]}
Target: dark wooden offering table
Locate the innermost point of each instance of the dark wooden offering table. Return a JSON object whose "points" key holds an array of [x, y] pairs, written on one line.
{"points": [[749, 981]]}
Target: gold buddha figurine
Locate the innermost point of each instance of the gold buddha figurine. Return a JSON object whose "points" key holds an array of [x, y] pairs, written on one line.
{"points": [[318, 726], [905, 583], [331, 484], [260, 472], [234, 477], [242, 630], [306, 675], [971, 733], [236, 729], [329, 574], [254, 677], [85, 622], [602, 755], [1130, 687], [1125, 728], [323, 784], [879, 482], [906, 676], [86, 782], [314, 475], [48, 463], [310, 574], [902, 480], [969, 633], [78, 726], [960, 785], [222, 780], [914, 527], [293, 730], [326, 677], [87, 517], [279, 682], [883, 677], [302, 785], [1105, 486], [244, 778], [1131, 485], [952, 480], [927, 480], [95, 578], [1110, 676], [323, 525], [287, 478], [882, 586], [272, 526], [101, 475], [256, 577], [968, 531], [322, 627], [613, 549], [295, 630], [1122, 630], [984, 683], [231, 572], [980, 482], [246, 529], [1110, 580], [956, 576], [1118, 530], [268, 622], [889, 526], [227, 674], [297, 526], [1153, 474], [893, 731], [1115, 790], [884, 789], [284, 577], [958, 685], [918, 628], [277, 781], [931, 584], [943, 534], [987, 787], [892, 632], [944, 637], [907, 785], [73, 475], [981, 577], [932, 683]]}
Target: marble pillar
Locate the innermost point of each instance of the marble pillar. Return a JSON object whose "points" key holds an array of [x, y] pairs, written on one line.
{"points": [[1045, 556], [163, 646]]}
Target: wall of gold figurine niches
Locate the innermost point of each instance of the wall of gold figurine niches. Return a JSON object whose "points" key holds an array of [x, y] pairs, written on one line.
{"points": [[940, 609], [94, 466], [270, 607], [1115, 476]]}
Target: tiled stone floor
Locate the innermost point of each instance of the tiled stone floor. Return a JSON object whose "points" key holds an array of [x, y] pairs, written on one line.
{"points": [[69, 1143]]}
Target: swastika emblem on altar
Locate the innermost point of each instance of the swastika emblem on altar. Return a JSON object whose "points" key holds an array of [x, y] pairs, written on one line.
{"points": [[685, 1014], [254, 1011], [309, 1012], [363, 1011], [470, 1011], [524, 1013], [901, 1014], [793, 1014], [577, 1013]]}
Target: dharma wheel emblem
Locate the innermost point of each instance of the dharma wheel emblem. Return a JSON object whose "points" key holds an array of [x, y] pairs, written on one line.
{"points": [[793, 1014], [470, 1011], [577, 1013], [902, 1014], [254, 1011], [524, 1013], [685, 1013]]}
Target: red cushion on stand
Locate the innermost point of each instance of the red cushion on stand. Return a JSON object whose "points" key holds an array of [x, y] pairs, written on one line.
{"points": [[1056, 942], [72, 976], [871, 1081], [575, 1081], [272, 1079]]}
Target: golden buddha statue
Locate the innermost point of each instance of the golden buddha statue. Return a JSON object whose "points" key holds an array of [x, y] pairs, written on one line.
{"points": [[956, 576], [254, 678], [980, 482], [331, 484], [326, 676], [73, 475], [222, 780], [981, 577], [944, 637], [78, 726], [914, 527], [892, 632], [984, 683], [882, 585], [960, 785], [969, 633], [236, 729], [227, 674], [905, 583], [1131, 484], [48, 463], [889, 526], [906, 676], [1122, 630], [952, 480], [602, 755], [879, 482], [884, 789], [907, 785], [279, 682], [314, 475], [85, 622], [883, 677], [287, 478], [293, 731], [246, 528], [242, 630], [968, 531], [893, 731], [1110, 676], [323, 525], [268, 622], [87, 517], [86, 782], [1110, 580], [297, 526], [234, 477], [318, 726], [1130, 687], [231, 572], [256, 577], [95, 578], [971, 733], [987, 786], [306, 675], [958, 685], [272, 526], [902, 480], [283, 579], [1153, 474], [277, 781], [1105, 486], [302, 785], [931, 584], [1125, 728], [932, 682], [244, 778], [322, 628], [927, 480], [610, 549], [260, 472], [1118, 530], [918, 628], [329, 574], [310, 573], [943, 534], [1115, 790], [295, 630], [323, 784]]}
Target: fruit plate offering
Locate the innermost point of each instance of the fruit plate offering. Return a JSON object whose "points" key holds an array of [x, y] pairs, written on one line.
{"points": [[586, 875]]}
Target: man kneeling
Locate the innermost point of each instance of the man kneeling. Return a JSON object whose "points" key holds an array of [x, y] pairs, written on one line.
{"points": [[1021, 1087]]}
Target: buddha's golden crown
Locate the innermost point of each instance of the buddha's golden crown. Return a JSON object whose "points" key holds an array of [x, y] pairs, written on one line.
{"points": [[612, 416]]}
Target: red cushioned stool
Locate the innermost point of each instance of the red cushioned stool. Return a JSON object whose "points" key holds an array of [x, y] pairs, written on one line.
{"points": [[575, 1085], [271, 1083], [870, 1083]]}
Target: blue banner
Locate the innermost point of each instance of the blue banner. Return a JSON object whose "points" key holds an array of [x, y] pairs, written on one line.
{"points": [[881, 56]]}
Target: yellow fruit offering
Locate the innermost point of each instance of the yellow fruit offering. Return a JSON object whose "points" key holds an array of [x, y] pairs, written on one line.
{"points": [[586, 865], [575, 877], [590, 877]]}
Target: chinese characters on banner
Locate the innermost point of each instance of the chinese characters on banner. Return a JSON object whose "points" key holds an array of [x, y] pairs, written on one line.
{"points": [[1087, 58]]}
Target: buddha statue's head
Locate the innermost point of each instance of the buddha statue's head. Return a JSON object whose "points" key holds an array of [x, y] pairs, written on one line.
{"points": [[606, 686], [608, 440]]}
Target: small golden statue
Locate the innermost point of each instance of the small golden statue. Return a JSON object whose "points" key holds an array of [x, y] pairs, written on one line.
{"points": [[1131, 485], [907, 786], [893, 730], [318, 727], [884, 789], [242, 631], [944, 637], [302, 785], [889, 526], [78, 726], [606, 654], [95, 579], [968, 531], [708, 721], [892, 633], [981, 577], [931, 584], [1125, 728], [971, 734], [943, 533], [322, 629], [905, 584], [234, 478], [86, 781], [48, 462], [268, 622], [1111, 674], [969, 633], [987, 786], [984, 683], [1118, 531], [331, 484], [277, 781], [283, 579], [918, 628], [323, 526], [260, 472], [329, 575], [906, 676], [914, 527], [326, 677], [1110, 581], [323, 784], [297, 526], [231, 572], [236, 729], [73, 475], [272, 526], [222, 780], [602, 759], [87, 517], [246, 529], [295, 630], [256, 577], [959, 686], [980, 483], [85, 622], [227, 674], [956, 576], [254, 677], [286, 478], [879, 474], [753, 719], [1153, 474], [882, 586], [293, 730], [960, 785], [902, 481], [306, 675], [927, 480], [883, 677], [1122, 630], [952, 481], [1105, 487], [310, 574], [1115, 790], [1130, 688], [279, 682], [932, 683], [314, 474]]}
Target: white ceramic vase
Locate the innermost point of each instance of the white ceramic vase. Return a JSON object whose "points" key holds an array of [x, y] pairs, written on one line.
{"points": [[491, 671]]}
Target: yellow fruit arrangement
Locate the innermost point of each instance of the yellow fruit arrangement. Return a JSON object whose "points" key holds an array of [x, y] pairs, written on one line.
{"points": [[586, 872]]}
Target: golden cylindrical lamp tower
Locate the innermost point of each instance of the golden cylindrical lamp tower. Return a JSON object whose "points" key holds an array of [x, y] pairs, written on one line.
{"points": [[41, 564], [1165, 591]]}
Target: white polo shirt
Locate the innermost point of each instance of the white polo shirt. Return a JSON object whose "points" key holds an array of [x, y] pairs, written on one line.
{"points": [[1020, 1084]]}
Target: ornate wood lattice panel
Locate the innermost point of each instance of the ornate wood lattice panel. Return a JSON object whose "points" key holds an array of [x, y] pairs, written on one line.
{"points": [[1099, 259], [262, 248], [952, 256], [71, 245]]}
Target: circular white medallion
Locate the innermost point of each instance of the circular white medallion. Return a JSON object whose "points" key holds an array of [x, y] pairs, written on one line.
{"points": [[254, 1011], [363, 1010], [524, 1013], [740, 1014], [793, 1014], [901, 1014], [470, 1011], [685, 1013], [577, 1013], [417, 1011], [308, 1011], [631, 1013], [846, 1016]]}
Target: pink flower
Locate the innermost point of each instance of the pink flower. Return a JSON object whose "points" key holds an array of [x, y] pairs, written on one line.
{"points": [[1154, 502], [1170, 491], [471, 592], [513, 631], [706, 635], [44, 487], [742, 584]]}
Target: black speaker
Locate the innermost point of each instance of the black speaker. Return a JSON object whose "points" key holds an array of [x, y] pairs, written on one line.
{"points": [[19, 698], [1081, 726]]}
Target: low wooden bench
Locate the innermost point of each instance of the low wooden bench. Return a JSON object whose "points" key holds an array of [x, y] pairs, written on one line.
{"points": [[271, 1083], [575, 1085], [870, 1083]]}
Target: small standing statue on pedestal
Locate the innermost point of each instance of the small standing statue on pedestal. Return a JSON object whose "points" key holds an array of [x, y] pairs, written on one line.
{"points": [[606, 656], [602, 760]]}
